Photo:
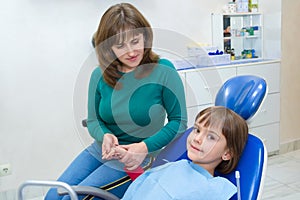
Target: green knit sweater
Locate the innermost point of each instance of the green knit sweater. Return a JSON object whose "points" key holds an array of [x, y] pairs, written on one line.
{"points": [[138, 110]]}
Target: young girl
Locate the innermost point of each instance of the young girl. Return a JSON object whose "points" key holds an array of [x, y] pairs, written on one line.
{"points": [[216, 143], [130, 95]]}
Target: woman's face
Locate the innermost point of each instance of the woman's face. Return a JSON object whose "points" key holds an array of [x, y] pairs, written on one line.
{"points": [[130, 51], [206, 145]]}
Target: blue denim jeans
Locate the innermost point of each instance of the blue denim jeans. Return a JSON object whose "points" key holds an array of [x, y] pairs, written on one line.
{"points": [[88, 169]]}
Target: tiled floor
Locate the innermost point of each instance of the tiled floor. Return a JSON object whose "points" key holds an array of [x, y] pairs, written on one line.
{"points": [[283, 177]]}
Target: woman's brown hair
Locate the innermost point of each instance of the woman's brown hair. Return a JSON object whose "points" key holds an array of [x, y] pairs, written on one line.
{"points": [[118, 21], [234, 128]]}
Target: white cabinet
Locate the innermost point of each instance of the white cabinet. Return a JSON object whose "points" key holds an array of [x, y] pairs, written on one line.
{"points": [[268, 117], [269, 133], [193, 111], [201, 86], [269, 70], [240, 33], [268, 112]]}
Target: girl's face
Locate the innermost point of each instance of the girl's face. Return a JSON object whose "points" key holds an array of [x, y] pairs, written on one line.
{"points": [[130, 51], [207, 146]]}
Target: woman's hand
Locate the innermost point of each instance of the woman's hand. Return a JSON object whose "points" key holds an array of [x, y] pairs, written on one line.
{"points": [[132, 155], [110, 141]]}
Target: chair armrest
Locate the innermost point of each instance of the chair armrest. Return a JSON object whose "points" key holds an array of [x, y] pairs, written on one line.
{"points": [[89, 190]]}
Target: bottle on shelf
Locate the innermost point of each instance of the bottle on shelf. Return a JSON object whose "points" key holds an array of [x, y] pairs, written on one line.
{"points": [[232, 54]]}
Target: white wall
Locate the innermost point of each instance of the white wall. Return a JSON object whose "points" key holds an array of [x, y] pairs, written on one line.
{"points": [[45, 52], [272, 27], [290, 73]]}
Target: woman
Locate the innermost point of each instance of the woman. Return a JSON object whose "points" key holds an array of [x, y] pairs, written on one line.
{"points": [[130, 95]]}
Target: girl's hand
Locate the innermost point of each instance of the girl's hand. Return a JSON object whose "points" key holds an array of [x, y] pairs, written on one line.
{"points": [[132, 155], [110, 141]]}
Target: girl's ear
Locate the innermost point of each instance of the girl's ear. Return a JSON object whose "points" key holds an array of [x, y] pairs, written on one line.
{"points": [[227, 155]]}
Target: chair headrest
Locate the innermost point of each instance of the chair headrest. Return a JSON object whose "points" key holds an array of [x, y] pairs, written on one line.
{"points": [[242, 94]]}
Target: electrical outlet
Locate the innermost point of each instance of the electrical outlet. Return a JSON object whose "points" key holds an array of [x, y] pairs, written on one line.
{"points": [[5, 169]]}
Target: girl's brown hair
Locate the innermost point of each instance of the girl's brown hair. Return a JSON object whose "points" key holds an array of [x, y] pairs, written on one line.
{"points": [[118, 21], [234, 128]]}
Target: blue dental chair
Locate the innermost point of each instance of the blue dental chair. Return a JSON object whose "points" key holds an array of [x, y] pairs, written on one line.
{"points": [[242, 94]]}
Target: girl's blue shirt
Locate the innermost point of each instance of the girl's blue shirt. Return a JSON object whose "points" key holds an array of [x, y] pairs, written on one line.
{"points": [[182, 180]]}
